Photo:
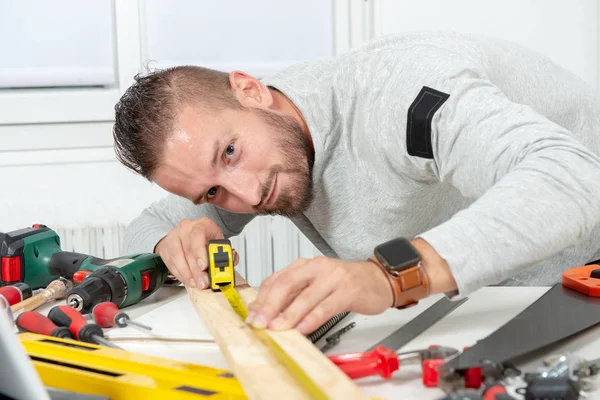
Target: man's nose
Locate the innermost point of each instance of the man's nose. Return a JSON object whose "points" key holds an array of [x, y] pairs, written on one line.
{"points": [[246, 187]]}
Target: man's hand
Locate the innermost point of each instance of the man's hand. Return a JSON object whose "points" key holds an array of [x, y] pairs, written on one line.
{"points": [[308, 292], [184, 250]]}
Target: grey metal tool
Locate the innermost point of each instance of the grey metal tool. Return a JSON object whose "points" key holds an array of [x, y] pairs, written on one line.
{"points": [[560, 313], [326, 327], [334, 338], [419, 324]]}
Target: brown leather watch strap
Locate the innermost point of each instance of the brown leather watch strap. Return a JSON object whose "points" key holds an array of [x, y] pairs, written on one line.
{"points": [[408, 287]]}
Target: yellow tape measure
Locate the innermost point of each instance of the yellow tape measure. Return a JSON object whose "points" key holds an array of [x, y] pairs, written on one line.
{"points": [[238, 305]]}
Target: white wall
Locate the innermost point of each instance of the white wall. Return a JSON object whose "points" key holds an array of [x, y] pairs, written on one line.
{"points": [[56, 151], [56, 160], [564, 30]]}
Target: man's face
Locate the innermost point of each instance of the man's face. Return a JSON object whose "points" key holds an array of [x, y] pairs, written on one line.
{"points": [[245, 161]]}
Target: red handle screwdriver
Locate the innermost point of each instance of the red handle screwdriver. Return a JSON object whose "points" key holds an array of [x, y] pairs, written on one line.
{"points": [[16, 293], [380, 361], [77, 324], [31, 321], [107, 315]]}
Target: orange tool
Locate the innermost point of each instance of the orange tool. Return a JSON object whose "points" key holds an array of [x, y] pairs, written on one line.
{"points": [[584, 279]]}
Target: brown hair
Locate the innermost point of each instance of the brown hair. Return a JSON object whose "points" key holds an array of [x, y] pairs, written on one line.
{"points": [[146, 114]]}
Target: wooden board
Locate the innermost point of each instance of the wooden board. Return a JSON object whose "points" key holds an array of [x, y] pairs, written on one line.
{"points": [[259, 372]]}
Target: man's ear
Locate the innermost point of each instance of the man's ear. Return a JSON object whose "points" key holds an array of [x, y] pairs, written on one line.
{"points": [[249, 91]]}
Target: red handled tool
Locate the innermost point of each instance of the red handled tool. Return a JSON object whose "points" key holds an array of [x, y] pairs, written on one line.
{"points": [[16, 293], [380, 361], [584, 279], [107, 315], [31, 321], [77, 324], [384, 362], [496, 392]]}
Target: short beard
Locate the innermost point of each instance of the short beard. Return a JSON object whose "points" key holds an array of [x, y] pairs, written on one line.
{"points": [[298, 164]]}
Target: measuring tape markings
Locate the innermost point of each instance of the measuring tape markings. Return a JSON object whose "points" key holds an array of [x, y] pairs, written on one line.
{"points": [[294, 369]]}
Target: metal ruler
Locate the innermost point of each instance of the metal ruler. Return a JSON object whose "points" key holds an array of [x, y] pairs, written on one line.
{"points": [[88, 368], [560, 313], [238, 305], [419, 324]]}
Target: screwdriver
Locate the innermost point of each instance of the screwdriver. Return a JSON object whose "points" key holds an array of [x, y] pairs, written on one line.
{"points": [[77, 324], [31, 321], [107, 315], [16, 293]]}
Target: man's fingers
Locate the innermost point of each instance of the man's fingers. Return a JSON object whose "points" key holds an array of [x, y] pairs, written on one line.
{"points": [[236, 257], [271, 281], [270, 302], [179, 261], [188, 240], [167, 259], [302, 304], [203, 278], [206, 229], [171, 266], [264, 291], [164, 255], [324, 311]]}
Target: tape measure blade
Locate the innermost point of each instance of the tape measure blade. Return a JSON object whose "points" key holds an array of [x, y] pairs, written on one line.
{"points": [[235, 300], [237, 303]]}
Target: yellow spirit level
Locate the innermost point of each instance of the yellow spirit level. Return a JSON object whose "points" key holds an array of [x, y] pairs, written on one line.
{"points": [[87, 368]]}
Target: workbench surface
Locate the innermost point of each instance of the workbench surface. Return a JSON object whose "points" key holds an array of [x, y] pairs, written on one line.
{"points": [[172, 315]]}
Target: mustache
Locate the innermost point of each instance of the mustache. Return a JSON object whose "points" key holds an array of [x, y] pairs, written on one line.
{"points": [[266, 188]]}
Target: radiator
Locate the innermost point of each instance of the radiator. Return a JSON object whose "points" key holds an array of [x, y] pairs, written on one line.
{"points": [[103, 241], [266, 245]]}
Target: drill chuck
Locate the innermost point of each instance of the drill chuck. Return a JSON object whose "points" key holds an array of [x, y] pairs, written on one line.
{"points": [[105, 284], [75, 301]]}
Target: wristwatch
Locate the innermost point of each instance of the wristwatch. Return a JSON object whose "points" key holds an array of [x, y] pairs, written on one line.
{"points": [[401, 263]]}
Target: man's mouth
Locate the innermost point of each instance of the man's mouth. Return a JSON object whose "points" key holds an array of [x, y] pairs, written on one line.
{"points": [[272, 194]]}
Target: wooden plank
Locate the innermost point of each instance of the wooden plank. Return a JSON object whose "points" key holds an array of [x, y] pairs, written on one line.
{"points": [[256, 368]]}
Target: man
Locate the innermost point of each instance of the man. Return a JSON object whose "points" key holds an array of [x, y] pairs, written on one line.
{"points": [[418, 164]]}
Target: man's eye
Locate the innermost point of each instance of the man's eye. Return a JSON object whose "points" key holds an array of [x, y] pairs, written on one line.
{"points": [[230, 150], [211, 192]]}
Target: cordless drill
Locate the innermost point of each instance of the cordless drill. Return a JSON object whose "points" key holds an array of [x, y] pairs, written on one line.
{"points": [[25, 255], [123, 281], [33, 256]]}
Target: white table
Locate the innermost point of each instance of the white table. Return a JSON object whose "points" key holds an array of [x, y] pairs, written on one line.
{"points": [[485, 311]]}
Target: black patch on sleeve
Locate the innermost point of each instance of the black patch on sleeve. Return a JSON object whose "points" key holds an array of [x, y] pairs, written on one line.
{"points": [[418, 125]]}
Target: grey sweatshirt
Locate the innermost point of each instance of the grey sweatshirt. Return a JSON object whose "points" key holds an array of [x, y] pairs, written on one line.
{"points": [[487, 150]]}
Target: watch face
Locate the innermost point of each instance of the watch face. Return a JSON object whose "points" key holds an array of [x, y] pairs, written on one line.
{"points": [[397, 254]]}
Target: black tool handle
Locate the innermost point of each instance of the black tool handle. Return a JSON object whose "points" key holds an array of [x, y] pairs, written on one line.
{"points": [[77, 324], [66, 263]]}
